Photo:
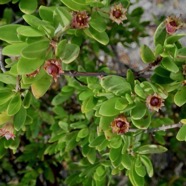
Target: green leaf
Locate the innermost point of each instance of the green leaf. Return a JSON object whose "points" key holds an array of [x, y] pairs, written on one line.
{"points": [[85, 94], [160, 34], [126, 144], [148, 165], [83, 133], [28, 6], [71, 141], [73, 5], [181, 135], [169, 64], [114, 154], [108, 108], [146, 54], [28, 31], [64, 95], [183, 121], [97, 141], [20, 118], [27, 66], [69, 53], [32, 20], [140, 91], [88, 105], [46, 13], [4, 2], [40, 87], [100, 25], [127, 161], [181, 53], [162, 71], [135, 178], [8, 79], [100, 170], [5, 95], [64, 126], [60, 47], [36, 50], [14, 105], [62, 18], [115, 141], [105, 122], [130, 78], [78, 125], [8, 33], [151, 149], [41, 25], [173, 38], [158, 49], [100, 37], [139, 168], [14, 49], [158, 79], [180, 98], [121, 104], [27, 100], [139, 111], [81, 2], [115, 84], [4, 118], [91, 156], [142, 123]]}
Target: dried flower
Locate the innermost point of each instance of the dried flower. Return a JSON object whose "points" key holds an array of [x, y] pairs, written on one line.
{"points": [[33, 74], [120, 125], [154, 102], [118, 13], [172, 24], [7, 131], [80, 20], [53, 68]]}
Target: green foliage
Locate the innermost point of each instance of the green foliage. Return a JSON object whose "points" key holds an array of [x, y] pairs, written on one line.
{"points": [[66, 117]]}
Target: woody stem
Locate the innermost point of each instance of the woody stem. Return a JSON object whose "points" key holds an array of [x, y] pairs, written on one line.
{"points": [[163, 128]]}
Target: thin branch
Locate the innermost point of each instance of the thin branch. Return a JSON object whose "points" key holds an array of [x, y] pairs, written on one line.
{"points": [[149, 67], [18, 87], [163, 128], [73, 73], [2, 67], [18, 20]]}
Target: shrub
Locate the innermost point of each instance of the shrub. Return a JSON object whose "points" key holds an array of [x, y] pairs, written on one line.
{"points": [[66, 118]]}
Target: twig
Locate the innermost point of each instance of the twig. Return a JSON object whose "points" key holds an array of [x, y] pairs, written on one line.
{"points": [[18, 20], [18, 88], [73, 73], [1, 61], [154, 63], [163, 128]]}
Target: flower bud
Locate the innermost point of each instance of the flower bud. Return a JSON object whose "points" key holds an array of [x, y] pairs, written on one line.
{"points": [[120, 125], [154, 102], [53, 68], [118, 13], [80, 20], [172, 24]]}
